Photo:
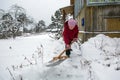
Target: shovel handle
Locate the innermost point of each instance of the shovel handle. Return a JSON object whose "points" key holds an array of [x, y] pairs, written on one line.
{"points": [[58, 57], [55, 58], [62, 53]]}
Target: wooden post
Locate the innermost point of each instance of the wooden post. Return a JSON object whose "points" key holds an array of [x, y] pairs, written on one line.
{"points": [[64, 16]]}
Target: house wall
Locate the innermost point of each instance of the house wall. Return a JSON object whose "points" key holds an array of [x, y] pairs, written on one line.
{"points": [[89, 18], [108, 20], [103, 18], [99, 20], [79, 4], [94, 19], [113, 25], [81, 20]]}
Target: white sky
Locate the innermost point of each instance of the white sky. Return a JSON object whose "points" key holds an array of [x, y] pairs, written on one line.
{"points": [[38, 9]]}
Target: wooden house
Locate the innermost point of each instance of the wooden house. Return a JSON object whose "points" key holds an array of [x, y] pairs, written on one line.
{"points": [[97, 17]]}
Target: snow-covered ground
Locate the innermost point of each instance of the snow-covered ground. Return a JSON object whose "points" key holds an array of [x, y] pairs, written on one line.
{"points": [[25, 58]]}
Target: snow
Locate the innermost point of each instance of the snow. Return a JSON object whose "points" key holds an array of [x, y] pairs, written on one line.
{"points": [[25, 58]]}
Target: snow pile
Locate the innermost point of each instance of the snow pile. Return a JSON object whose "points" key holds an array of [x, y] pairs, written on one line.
{"points": [[104, 53], [25, 57]]}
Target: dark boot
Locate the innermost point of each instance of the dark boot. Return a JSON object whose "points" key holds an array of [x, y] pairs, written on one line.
{"points": [[68, 52]]}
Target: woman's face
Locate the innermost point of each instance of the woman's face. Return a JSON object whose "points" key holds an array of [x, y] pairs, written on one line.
{"points": [[71, 27]]}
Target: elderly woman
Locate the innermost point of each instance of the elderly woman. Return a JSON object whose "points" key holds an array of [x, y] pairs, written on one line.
{"points": [[70, 34]]}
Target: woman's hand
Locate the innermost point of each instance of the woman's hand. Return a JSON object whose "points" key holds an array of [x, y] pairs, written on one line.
{"points": [[74, 40], [68, 46]]}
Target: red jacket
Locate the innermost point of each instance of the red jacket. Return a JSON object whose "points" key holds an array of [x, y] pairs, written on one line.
{"points": [[69, 35]]}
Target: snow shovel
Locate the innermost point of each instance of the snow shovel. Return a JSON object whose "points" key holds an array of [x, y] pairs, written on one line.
{"points": [[60, 55]]}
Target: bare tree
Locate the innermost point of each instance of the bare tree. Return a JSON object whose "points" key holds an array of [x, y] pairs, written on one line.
{"points": [[16, 10], [20, 18]]}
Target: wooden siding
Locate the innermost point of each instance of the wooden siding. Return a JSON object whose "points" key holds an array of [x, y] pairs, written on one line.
{"points": [[95, 18], [68, 9], [114, 35], [113, 24], [79, 20], [72, 2], [99, 19], [79, 4], [89, 19]]}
